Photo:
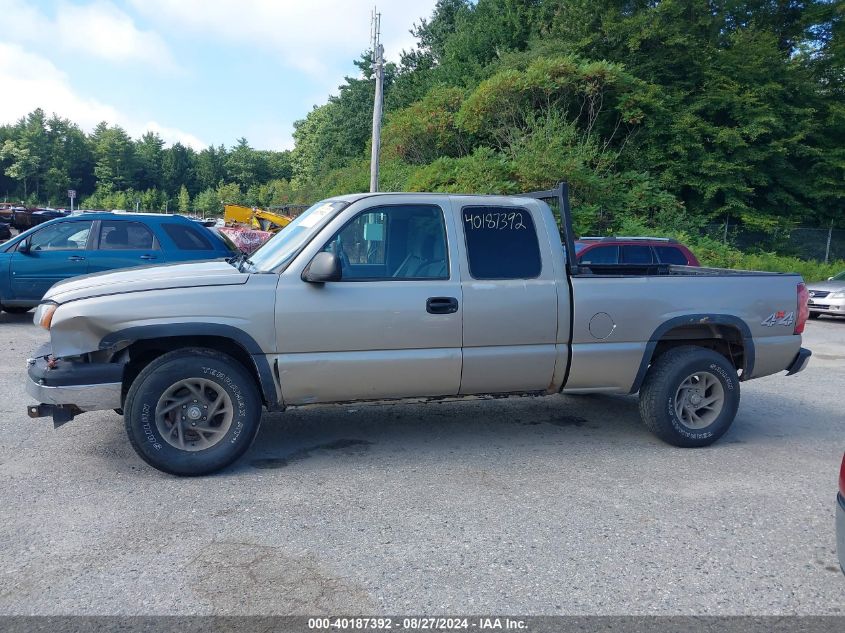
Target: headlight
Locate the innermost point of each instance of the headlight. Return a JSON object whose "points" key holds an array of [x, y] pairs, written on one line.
{"points": [[44, 314], [838, 295]]}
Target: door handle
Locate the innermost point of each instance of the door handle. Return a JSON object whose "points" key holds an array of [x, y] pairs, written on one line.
{"points": [[441, 305], [76, 258], [148, 257]]}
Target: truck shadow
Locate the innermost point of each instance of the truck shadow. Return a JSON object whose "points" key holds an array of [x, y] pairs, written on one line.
{"points": [[287, 439], [510, 430]]}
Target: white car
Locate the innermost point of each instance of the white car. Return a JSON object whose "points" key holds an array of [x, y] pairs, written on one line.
{"points": [[827, 297]]}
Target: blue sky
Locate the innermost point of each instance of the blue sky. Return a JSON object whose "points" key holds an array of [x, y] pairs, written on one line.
{"points": [[197, 71]]}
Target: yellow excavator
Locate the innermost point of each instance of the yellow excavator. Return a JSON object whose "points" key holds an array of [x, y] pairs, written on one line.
{"points": [[256, 218]]}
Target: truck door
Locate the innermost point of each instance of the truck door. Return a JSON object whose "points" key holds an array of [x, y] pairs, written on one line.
{"points": [[391, 327], [510, 308]]}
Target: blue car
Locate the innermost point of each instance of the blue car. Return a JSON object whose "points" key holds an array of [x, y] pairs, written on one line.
{"points": [[94, 242]]}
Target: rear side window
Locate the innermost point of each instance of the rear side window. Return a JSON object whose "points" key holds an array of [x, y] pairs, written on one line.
{"points": [[501, 243], [187, 238], [671, 255], [601, 255], [636, 254], [125, 236]]}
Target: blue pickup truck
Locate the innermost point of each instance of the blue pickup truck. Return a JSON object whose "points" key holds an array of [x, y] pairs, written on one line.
{"points": [[95, 242]]}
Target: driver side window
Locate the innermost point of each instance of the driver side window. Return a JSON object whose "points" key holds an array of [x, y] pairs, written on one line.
{"points": [[65, 236], [402, 242]]}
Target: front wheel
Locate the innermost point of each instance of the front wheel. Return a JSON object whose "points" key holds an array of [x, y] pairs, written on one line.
{"points": [[192, 412], [815, 315], [690, 396]]}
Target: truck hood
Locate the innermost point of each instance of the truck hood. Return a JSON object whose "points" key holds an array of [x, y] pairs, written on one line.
{"points": [[161, 277]]}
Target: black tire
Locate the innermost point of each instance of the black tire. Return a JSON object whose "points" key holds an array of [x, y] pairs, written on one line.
{"points": [[156, 380], [815, 315], [16, 309], [661, 386]]}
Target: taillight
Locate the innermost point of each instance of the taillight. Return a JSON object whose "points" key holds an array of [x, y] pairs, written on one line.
{"points": [[842, 477], [803, 312]]}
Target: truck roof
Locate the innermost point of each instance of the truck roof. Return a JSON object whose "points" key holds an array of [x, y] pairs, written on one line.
{"points": [[355, 197]]}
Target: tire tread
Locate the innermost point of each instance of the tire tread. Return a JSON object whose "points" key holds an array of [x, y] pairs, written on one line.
{"points": [[660, 373]]}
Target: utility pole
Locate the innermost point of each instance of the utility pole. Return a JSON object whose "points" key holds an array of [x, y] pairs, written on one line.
{"points": [[378, 72], [827, 249]]}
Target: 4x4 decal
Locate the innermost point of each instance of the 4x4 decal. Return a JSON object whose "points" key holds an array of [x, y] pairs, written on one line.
{"points": [[779, 318]]}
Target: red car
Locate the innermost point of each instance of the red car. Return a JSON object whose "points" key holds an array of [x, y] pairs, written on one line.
{"points": [[840, 517], [633, 250]]}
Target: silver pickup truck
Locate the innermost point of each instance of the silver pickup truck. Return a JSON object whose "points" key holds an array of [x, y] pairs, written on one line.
{"points": [[375, 297]]}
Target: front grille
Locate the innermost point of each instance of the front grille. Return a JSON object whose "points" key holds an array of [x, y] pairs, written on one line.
{"points": [[819, 306], [819, 294]]}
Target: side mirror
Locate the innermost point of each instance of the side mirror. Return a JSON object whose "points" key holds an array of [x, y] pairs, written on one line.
{"points": [[24, 247], [324, 267]]}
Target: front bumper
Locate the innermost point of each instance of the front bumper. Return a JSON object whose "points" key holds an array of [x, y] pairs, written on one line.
{"points": [[799, 363], [827, 305], [840, 530], [72, 386]]}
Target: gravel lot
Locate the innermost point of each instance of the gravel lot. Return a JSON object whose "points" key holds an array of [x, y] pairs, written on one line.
{"points": [[536, 506]]}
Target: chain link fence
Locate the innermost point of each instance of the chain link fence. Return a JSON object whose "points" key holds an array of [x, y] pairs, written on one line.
{"points": [[809, 243]]}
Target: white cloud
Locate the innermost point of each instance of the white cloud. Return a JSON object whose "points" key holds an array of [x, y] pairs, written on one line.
{"points": [[304, 35], [169, 134], [34, 82], [99, 29]]}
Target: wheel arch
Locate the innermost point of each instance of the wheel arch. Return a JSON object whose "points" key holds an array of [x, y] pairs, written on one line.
{"points": [[145, 343], [726, 334]]}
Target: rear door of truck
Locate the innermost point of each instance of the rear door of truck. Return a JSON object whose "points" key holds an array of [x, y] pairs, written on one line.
{"points": [[512, 303]]}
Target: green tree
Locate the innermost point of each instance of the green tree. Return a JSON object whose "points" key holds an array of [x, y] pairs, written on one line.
{"points": [[71, 161], [184, 200], [211, 166], [23, 165], [207, 202], [178, 168], [149, 151], [114, 155], [245, 166]]}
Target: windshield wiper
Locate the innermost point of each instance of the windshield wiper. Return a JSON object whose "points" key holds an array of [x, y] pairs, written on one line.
{"points": [[239, 260]]}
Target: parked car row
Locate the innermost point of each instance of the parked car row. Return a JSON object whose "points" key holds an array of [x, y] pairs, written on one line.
{"points": [[23, 218], [33, 261]]}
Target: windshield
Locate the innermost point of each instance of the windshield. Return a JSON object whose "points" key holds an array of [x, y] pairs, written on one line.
{"points": [[840, 276], [281, 248]]}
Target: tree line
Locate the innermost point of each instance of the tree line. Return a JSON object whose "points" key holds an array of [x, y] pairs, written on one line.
{"points": [[672, 113], [41, 158], [669, 113]]}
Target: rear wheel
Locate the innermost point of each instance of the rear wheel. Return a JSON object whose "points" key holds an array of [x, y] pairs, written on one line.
{"points": [[192, 412], [690, 396]]}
